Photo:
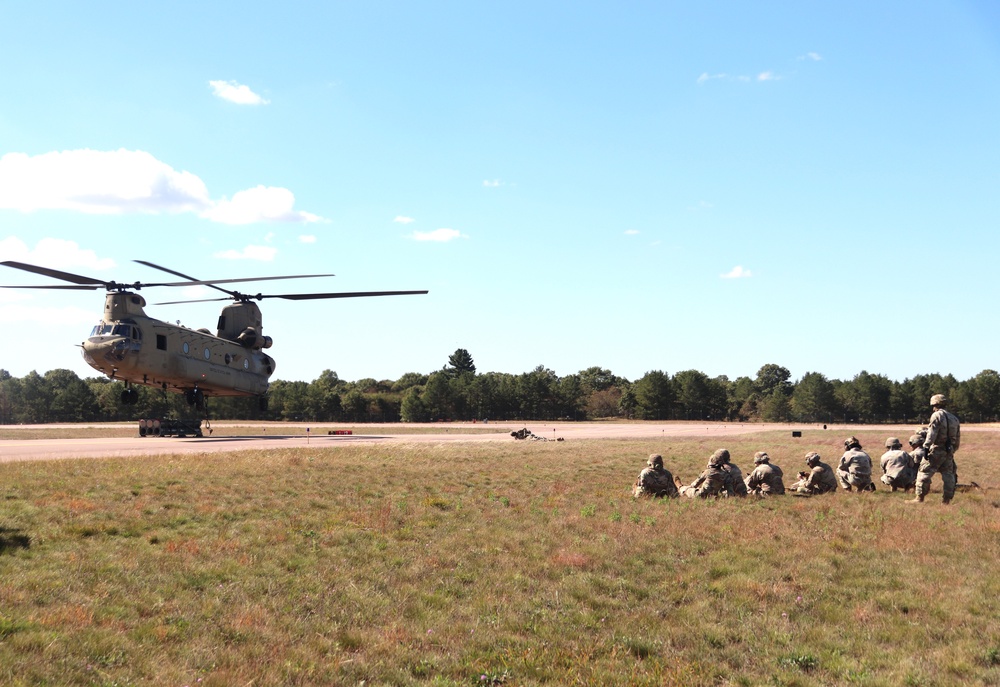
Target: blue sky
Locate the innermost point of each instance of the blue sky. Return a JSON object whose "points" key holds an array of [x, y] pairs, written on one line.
{"points": [[639, 186]]}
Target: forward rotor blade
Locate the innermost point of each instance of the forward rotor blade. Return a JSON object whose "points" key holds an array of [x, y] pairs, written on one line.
{"points": [[211, 282], [59, 286], [56, 274]]}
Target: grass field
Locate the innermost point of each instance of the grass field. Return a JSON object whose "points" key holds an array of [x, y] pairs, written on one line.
{"points": [[514, 563]]}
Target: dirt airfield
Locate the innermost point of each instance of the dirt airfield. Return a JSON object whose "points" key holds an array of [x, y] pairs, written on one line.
{"points": [[240, 436]]}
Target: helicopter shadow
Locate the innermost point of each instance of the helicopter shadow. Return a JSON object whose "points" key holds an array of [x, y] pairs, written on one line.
{"points": [[12, 539]]}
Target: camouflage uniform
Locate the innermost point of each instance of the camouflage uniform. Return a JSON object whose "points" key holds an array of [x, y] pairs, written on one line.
{"points": [[710, 483], [917, 451], [765, 479], [821, 479], [655, 480], [898, 470], [943, 438], [855, 467], [734, 484]]}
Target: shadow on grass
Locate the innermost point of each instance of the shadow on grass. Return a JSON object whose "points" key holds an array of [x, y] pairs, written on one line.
{"points": [[11, 539]]}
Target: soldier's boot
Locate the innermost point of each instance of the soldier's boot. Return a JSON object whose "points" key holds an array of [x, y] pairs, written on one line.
{"points": [[949, 487], [894, 489], [918, 499]]}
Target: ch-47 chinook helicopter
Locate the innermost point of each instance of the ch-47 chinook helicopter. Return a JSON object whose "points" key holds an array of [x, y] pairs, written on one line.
{"points": [[130, 346]]}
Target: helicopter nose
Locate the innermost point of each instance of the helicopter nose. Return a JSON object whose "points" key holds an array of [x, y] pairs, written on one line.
{"points": [[99, 349]]}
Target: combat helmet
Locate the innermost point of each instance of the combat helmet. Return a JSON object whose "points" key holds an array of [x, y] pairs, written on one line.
{"points": [[655, 460], [812, 459], [939, 400], [893, 443], [917, 440], [719, 458], [761, 457], [851, 442]]}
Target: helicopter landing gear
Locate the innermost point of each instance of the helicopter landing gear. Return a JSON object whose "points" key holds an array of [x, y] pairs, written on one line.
{"points": [[129, 396], [195, 398], [262, 403]]}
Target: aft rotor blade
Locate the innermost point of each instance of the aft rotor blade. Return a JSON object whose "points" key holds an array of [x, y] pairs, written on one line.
{"points": [[90, 282], [197, 300], [352, 294], [300, 296], [177, 274]]}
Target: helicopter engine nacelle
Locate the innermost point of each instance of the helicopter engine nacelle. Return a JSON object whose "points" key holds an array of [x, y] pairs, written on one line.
{"points": [[249, 338]]}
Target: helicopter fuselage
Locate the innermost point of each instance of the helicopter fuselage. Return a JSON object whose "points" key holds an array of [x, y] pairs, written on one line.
{"points": [[133, 347], [129, 345]]}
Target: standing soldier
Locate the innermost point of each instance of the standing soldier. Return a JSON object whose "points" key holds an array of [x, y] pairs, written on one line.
{"points": [[655, 480], [898, 470], [766, 479], [855, 467], [943, 436], [820, 479], [710, 483]]}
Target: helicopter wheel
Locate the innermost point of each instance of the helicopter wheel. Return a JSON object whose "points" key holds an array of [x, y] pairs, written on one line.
{"points": [[191, 396], [199, 399], [129, 396]]}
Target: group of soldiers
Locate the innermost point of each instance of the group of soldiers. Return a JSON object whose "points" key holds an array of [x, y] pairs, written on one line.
{"points": [[932, 450]]}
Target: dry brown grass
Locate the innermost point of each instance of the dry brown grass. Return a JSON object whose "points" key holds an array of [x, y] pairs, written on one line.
{"points": [[460, 564]]}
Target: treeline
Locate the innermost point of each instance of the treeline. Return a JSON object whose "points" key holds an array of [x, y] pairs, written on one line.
{"points": [[458, 392]]}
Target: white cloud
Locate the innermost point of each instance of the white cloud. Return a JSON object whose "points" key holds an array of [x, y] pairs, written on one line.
{"points": [[737, 273], [631, 232], [814, 56], [53, 253], [400, 219], [767, 76], [237, 93], [261, 253], [98, 182], [494, 183], [439, 235], [307, 238], [260, 204], [123, 181], [705, 76]]}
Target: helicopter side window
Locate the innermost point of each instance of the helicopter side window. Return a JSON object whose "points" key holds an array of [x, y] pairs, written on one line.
{"points": [[161, 342]]}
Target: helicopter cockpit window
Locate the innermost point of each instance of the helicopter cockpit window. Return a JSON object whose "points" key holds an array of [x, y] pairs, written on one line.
{"points": [[104, 329]]}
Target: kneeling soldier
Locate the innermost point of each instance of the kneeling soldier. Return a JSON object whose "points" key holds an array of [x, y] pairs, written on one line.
{"points": [[655, 480], [766, 479], [898, 470]]}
